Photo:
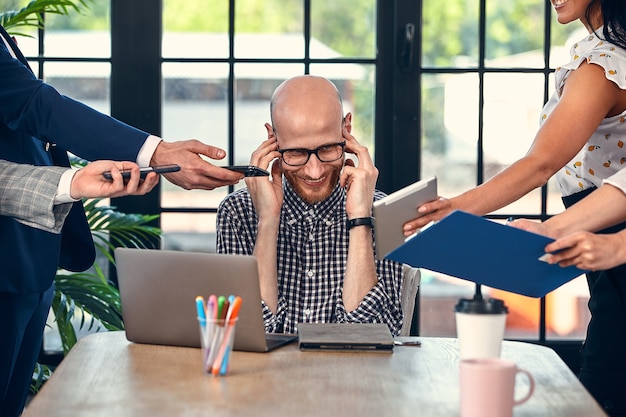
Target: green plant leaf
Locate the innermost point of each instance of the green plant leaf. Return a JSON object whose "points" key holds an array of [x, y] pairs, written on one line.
{"points": [[40, 375], [32, 14]]}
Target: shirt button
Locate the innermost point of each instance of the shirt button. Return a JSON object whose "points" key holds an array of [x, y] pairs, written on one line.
{"points": [[329, 223], [307, 312], [311, 212], [310, 273], [311, 237]]}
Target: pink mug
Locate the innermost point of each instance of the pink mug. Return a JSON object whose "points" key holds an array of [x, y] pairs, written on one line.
{"points": [[488, 387]]}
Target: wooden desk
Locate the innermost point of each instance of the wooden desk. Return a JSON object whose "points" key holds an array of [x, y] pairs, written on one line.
{"points": [[105, 375]]}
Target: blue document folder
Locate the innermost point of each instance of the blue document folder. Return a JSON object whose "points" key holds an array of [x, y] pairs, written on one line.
{"points": [[480, 250]]}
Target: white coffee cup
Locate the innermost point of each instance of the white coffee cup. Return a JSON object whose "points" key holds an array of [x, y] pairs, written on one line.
{"points": [[480, 327]]}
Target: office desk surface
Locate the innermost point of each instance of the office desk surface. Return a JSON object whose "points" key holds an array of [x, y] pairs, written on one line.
{"points": [[105, 375]]}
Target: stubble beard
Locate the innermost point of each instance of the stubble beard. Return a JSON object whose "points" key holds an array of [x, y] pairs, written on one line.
{"points": [[314, 196]]}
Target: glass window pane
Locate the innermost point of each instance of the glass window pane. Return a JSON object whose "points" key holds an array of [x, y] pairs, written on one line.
{"points": [[269, 29], [567, 314], [450, 33], [356, 86], [87, 82], [86, 34], [514, 34], [28, 43], [195, 29], [512, 107], [562, 39], [522, 321], [255, 84], [195, 107], [439, 293], [333, 22], [450, 130], [189, 232]]}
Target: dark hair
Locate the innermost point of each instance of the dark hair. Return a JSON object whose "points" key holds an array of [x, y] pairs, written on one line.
{"points": [[614, 16]]}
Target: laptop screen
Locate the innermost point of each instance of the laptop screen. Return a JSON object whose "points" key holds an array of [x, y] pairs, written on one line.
{"points": [[158, 290]]}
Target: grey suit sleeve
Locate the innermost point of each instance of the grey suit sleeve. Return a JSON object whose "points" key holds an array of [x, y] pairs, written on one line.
{"points": [[27, 193]]}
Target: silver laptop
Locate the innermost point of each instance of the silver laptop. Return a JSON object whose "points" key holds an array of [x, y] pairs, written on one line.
{"points": [[158, 289], [391, 212]]}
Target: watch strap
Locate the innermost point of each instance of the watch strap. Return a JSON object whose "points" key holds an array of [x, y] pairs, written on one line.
{"points": [[360, 221]]}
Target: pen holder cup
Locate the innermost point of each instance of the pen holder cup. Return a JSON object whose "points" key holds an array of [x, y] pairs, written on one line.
{"points": [[217, 338]]}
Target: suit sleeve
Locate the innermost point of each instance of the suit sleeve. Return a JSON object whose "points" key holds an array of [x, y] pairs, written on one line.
{"points": [[33, 107], [27, 194]]}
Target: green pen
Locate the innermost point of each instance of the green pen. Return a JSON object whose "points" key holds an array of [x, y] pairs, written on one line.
{"points": [[220, 305]]}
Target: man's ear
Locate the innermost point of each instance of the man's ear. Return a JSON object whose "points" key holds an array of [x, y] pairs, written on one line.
{"points": [[270, 131], [347, 120]]}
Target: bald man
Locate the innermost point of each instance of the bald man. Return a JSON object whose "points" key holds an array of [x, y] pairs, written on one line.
{"points": [[309, 224]]}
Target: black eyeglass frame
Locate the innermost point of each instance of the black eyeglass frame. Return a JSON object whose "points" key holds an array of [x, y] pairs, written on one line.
{"points": [[313, 151]]}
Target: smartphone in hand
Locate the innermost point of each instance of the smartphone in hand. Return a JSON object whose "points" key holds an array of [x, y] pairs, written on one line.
{"points": [[144, 171], [249, 170]]}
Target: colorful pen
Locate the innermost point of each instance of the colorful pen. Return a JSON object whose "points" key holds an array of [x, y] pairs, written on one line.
{"points": [[220, 364], [232, 321], [200, 308], [217, 334], [211, 314], [211, 306]]}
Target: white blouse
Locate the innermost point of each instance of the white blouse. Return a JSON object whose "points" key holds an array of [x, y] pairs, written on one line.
{"points": [[604, 153]]}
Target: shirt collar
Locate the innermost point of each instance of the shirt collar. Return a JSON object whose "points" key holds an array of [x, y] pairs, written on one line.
{"points": [[585, 45], [7, 44]]}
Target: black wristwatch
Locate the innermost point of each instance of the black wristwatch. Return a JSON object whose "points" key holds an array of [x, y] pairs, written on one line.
{"points": [[360, 221]]}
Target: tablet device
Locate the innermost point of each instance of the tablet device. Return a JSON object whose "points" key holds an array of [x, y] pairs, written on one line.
{"points": [[391, 212], [360, 337]]}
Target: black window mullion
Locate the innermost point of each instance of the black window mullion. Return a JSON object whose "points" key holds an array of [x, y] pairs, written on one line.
{"points": [[307, 36], [136, 80], [482, 23], [231, 86]]}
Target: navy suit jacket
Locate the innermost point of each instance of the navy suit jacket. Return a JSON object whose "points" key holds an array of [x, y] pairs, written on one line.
{"points": [[32, 116]]}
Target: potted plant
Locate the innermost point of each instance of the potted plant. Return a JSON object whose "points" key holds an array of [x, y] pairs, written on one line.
{"points": [[87, 299]]}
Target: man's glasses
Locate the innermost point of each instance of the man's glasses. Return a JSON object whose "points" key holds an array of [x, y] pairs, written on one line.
{"points": [[300, 156]]}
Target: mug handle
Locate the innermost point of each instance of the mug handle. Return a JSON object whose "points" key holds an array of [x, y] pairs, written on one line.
{"points": [[531, 388]]}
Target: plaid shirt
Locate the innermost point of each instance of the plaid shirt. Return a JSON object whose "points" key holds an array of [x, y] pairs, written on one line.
{"points": [[312, 255]]}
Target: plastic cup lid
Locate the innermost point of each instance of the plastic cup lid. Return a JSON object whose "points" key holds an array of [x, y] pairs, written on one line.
{"points": [[481, 306]]}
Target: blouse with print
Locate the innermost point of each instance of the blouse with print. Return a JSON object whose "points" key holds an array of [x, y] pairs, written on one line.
{"points": [[312, 253], [605, 152]]}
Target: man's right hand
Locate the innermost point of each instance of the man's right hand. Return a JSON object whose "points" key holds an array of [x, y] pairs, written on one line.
{"points": [[195, 172]]}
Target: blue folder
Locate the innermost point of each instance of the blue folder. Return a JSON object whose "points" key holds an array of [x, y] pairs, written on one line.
{"points": [[480, 250]]}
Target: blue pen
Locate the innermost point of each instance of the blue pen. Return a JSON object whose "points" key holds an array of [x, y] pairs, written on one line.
{"points": [[200, 308], [201, 318]]}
